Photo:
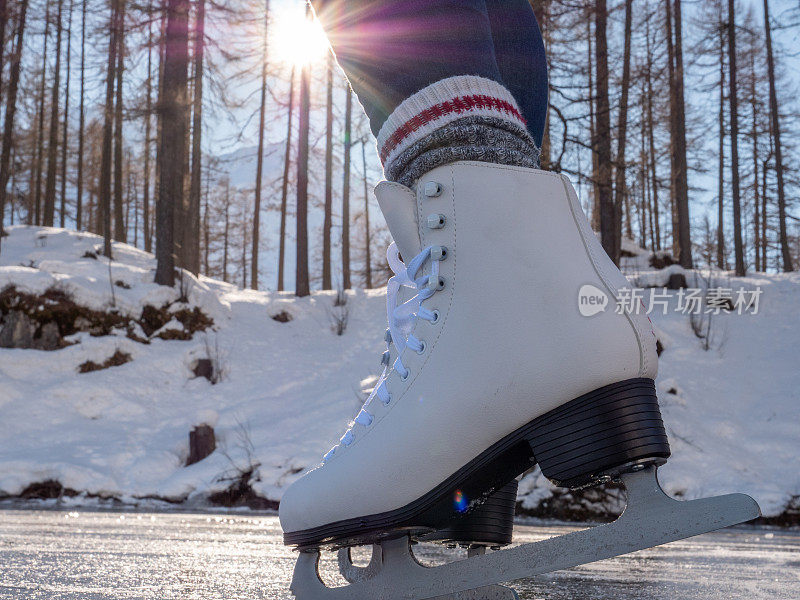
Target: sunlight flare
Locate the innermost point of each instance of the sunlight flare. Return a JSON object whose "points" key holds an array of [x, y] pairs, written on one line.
{"points": [[296, 39]]}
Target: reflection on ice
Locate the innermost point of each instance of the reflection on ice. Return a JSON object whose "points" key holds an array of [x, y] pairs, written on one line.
{"points": [[82, 555]]}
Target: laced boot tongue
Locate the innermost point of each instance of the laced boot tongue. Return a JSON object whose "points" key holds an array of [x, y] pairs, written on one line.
{"points": [[399, 207]]}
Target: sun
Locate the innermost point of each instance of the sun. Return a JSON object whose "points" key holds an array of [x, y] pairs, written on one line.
{"points": [[296, 39]]}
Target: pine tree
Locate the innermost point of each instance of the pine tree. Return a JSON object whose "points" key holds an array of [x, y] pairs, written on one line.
{"points": [[367, 252], [348, 119], [173, 108], [192, 238], [734, 112], [285, 185], [776, 132], [81, 124], [62, 213], [120, 233], [301, 277], [327, 224], [260, 157], [11, 108], [619, 184], [108, 123], [602, 135]]}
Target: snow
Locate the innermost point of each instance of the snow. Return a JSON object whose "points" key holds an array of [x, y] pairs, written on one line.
{"points": [[289, 388]]}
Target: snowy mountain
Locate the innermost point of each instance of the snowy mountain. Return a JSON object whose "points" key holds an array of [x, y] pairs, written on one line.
{"points": [[108, 412]]}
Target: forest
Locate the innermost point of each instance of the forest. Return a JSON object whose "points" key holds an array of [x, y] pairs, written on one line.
{"points": [[222, 136]]}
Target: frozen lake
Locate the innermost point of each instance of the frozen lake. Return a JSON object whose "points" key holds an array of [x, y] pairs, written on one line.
{"points": [[91, 555]]}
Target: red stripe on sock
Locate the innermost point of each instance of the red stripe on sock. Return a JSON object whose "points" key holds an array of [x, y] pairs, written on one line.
{"points": [[456, 105]]}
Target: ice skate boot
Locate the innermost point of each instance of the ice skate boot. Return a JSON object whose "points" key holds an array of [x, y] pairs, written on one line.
{"points": [[494, 367], [508, 353]]}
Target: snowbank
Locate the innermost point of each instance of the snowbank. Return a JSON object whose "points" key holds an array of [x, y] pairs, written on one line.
{"points": [[289, 387]]}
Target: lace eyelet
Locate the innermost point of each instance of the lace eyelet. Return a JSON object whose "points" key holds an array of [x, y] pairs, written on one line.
{"points": [[388, 400], [435, 317], [422, 347], [405, 377]]}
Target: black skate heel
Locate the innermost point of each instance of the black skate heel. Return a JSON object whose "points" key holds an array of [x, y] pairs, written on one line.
{"points": [[611, 431], [489, 525], [600, 435]]}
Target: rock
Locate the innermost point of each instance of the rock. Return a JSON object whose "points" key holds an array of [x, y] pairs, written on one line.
{"points": [[676, 281], [49, 337], [661, 259], [16, 330], [202, 442], [204, 367]]}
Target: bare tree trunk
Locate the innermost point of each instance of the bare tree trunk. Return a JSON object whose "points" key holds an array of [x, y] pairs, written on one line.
{"points": [[108, 123], [37, 173], [81, 124], [62, 213], [301, 277], [147, 132], [541, 10], [159, 87], [52, 142], [776, 128], [651, 140], [285, 185], [647, 211], [681, 175], [348, 118], [11, 108], [245, 242], [120, 233], [721, 156], [643, 178], [133, 201], [260, 157], [3, 25], [754, 135], [206, 227], [227, 230], [592, 120], [174, 108], [734, 110], [672, 128], [602, 139], [764, 168], [367, 241], [192, 239], [328, 219], [622, 134]]}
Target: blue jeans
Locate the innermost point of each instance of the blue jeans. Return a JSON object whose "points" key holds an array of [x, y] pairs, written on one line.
{"points": [[390, 49]]}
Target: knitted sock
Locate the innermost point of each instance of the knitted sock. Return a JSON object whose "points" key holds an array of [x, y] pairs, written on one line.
{"points": [[459, 118]]}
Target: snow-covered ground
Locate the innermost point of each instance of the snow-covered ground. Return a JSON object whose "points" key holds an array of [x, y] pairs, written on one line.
{"points": [[288, 389]]}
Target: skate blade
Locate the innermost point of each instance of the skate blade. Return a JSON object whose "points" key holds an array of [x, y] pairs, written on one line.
{"points": [[651, 518]]}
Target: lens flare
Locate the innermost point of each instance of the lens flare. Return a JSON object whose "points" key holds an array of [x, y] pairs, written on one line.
{"points": [[296, 39], [460, 501]]}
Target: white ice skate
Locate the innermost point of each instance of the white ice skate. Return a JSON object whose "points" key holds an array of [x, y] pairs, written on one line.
{"points": [[491, 369]]}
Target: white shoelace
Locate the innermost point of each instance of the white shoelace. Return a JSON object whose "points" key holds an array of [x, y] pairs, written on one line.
{"points": [[401, 322]]}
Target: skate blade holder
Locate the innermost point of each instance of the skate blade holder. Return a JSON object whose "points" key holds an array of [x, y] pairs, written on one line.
{"points": [[650, 518]]}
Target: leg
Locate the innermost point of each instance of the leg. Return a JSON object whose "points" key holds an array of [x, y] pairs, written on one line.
{"points": [[425, 72], [520, 56], [390, 49]]}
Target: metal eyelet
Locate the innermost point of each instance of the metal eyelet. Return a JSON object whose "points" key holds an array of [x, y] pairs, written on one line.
{"points": [[435, 317], [422, 347], [435, 284], [433, 189], [436, 221]]}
